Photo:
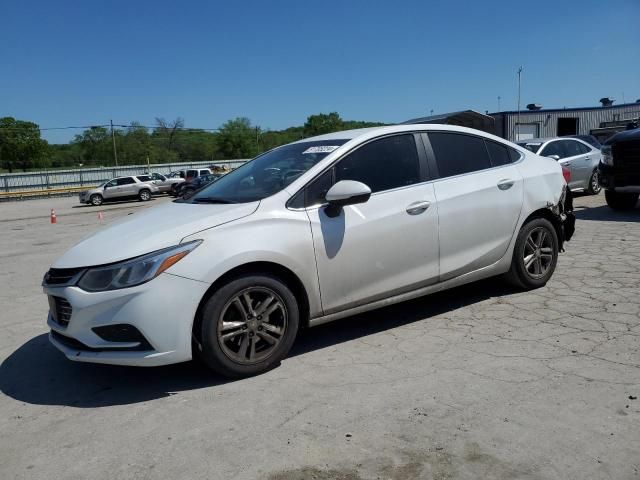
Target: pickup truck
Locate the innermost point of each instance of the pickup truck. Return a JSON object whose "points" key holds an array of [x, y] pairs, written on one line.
{"points": [[619, 169]]}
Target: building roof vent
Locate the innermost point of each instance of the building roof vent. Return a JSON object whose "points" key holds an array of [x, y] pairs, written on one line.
{"points": [[606, 101], [534, 106]]}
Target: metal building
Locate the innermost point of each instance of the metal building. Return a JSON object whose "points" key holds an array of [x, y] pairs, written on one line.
{"points": [[535, 122]]}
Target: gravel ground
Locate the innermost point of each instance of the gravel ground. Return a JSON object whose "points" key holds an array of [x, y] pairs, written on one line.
{"points": [[480, 382]]}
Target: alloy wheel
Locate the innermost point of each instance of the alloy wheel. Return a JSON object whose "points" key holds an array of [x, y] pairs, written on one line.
{"points": [[252, 325], [595, 184], [144, 195], [538, 252]]}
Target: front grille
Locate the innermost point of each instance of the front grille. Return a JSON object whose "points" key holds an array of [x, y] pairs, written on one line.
{"points": [[626, 154], [61, 276], [61, 310]]}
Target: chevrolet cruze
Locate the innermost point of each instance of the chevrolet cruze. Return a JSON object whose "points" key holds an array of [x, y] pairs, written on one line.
{"points": [[304, 234]]}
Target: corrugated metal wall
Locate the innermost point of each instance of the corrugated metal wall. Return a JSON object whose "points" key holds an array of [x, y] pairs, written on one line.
{"points": [[547, 121]]}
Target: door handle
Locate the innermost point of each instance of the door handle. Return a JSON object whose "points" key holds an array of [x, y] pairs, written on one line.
{"points": [[505, 184], [416, 208]]}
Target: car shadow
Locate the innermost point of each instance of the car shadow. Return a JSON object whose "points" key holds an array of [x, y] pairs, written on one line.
{"points": [[603, 213], [37, 373], [116, 202]]}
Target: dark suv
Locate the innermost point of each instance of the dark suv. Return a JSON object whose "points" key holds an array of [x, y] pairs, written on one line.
{"points": [[619, 169]]}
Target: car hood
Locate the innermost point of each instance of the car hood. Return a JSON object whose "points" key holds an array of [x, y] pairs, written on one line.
{"points": [[150, 230]]}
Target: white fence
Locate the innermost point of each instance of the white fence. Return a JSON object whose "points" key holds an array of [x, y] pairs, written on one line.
{"points": [[59, 180]]}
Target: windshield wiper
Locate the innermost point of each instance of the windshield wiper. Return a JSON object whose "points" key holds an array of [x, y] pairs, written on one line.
{"points": [[212, 200]]}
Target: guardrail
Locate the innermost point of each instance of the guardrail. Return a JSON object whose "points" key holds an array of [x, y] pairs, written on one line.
{"points": [[64, 182]]}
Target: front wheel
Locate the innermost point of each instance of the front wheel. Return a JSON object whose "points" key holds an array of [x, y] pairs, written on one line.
{"points": [[96, 200], [621, 201], [594, 185], [248, 325], [535, 255]]}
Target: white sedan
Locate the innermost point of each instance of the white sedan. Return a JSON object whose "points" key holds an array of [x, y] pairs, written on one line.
{"points": [[304, 234]]}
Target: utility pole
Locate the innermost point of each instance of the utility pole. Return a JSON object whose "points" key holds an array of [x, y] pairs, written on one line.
{"points": [[113, 138], [518, 120]]}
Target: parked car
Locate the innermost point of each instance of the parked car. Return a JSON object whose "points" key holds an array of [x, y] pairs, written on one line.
{"points": [[304, 234], [165, 184], [590, 139], [578, 156], [619, 169], [187, 176], [119, 188], [187, 189]]}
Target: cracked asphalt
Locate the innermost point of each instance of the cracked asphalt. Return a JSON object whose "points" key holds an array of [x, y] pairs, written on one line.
{"points": [[480, 382]]}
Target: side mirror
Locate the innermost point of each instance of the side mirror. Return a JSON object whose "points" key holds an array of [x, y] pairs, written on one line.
{"points": [[346, 192], [555, 157], [105, 187]]}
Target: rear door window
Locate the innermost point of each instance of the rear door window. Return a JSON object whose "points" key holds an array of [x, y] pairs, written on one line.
{"points": [[457, 154], [144, 178], [498, 153], [554, 148], [126, 181]]}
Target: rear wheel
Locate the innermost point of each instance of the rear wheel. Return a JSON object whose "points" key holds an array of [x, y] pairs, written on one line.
{"points": [[535, 255], [248, 326], [144, 195], [96, 199], [621, 201], [594, 185]]}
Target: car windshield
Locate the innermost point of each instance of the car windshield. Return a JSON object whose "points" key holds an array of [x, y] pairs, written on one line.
{"points": [[532, 146], [267, 174]]}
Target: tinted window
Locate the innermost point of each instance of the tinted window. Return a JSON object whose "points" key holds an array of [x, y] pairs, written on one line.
{"points": [[514, 154], [457, 154], [498, 153], [204, 172], [191, 173], [315, 193], [144, 178], [157, 176], [126, 181], [553, 148], [383, 164]]}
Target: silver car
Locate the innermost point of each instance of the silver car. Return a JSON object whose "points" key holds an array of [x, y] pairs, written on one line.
{"points": [[578, 156], [119, 189]]}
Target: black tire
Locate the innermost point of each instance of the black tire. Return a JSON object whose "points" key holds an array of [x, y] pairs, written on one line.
{"points": [[621, 201], [218, 353], [96, 199], [594, 186], [144, 195], [520, 274]]}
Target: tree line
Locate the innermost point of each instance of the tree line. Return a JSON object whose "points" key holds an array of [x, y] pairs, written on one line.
{"points": [[22, 148]]}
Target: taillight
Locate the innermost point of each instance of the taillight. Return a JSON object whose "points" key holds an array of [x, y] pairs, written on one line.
{"points": [[566, 173]]}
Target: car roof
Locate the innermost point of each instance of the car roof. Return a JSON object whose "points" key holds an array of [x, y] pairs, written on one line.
{"points": [[411, 127], [548, 139]]}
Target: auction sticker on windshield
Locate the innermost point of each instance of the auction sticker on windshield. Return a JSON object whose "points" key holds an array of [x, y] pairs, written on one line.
{"points": [[321, 149]]}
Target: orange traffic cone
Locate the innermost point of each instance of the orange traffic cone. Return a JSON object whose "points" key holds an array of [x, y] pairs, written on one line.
{"points": [[100, 216], [54, 219]]}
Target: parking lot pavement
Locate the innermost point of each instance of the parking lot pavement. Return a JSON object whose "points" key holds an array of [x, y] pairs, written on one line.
{"points": [[479, 382]]}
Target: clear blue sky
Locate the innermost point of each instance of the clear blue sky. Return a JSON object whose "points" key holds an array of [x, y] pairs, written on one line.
{"points": [[82, 63]]}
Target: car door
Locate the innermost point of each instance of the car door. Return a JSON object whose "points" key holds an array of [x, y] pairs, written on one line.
{"points": [[127, 187], [580, 156], [558, 150], [111, 189], [385, 246], [479, 199]]}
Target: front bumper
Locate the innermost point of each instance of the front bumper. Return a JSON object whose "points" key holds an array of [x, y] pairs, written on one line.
{"points": [[162, 311], [622, 180]]}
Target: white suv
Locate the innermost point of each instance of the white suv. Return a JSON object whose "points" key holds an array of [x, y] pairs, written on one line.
{"points": [[306, 233], [121, 188]]}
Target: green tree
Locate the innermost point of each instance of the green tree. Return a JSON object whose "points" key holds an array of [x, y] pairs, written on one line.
{"points": [[21, 145], [238, 139], [96, 147], [323, 123]]}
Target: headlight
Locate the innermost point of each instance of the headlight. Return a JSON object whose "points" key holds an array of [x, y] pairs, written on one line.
{"points": [[607, 155], [135, 271]]}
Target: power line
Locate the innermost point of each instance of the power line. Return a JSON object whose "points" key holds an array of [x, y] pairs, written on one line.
{"points": [[107, 125]]}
